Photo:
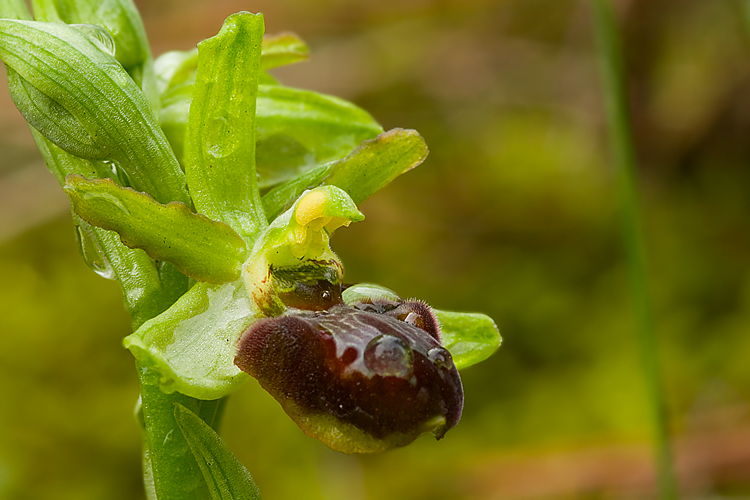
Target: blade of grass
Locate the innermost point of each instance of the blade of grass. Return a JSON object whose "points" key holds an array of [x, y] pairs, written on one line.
{"points": [[609, 54]]}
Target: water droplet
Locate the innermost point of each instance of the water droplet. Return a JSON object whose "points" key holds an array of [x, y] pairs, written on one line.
{"points": [[119, 175], [98, 36], [117, 73], [92, 252], [440, 358], [175, 444], [389, 356], [218, 134]]}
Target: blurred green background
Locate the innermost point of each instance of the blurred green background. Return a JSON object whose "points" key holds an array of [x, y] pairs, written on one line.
{"points": [[512, 214]]}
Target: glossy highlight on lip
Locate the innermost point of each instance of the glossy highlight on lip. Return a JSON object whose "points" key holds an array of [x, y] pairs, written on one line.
{"points": [[358, 380]]}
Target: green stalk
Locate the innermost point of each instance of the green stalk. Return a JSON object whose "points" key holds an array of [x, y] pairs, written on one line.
{"points": [[613, 77]]}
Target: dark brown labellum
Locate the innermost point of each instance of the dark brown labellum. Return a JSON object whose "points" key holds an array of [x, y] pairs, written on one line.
{"points": [[359, 381]]}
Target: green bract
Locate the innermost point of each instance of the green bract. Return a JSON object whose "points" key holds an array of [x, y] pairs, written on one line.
{"points": [[81, 99]]}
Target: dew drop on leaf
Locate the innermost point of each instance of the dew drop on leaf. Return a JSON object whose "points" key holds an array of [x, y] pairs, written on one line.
{"points": [[92, 252]]}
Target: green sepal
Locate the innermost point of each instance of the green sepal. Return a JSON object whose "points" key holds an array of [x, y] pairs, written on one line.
{"points": [[192, 344], [220, 134], [367, 169], [176, 69], [175, 79], [201, 248], [470, 337], [80, 98], [283, 49], [226, 477]]}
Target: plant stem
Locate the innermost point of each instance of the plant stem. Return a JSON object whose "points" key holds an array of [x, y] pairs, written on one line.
{"points": [[613, 77]]}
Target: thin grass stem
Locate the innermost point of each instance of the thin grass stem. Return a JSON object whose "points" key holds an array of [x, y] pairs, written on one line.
{"points": [[609, 54]]}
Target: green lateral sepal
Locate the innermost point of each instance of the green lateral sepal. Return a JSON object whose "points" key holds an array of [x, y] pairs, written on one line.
{"points": [[78, 96], [299, 235], [220, 133], [193, 343], [367, 169], [470, 337], [377, 162], [201, 248], [176, 69]]}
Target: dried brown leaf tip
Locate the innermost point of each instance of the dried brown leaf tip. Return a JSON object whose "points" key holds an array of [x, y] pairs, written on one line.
{"points": [[361, 377]]}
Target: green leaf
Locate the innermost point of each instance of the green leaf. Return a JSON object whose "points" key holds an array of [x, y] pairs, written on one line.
{"points": [[192, 344], [220, 137], [470, 337], [226, 477], [375, 163], [283, 49], [308, 128], [201, 248], [80, 98]]}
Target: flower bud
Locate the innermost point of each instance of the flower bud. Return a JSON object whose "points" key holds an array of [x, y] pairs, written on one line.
{"points": [[358, 381]]}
